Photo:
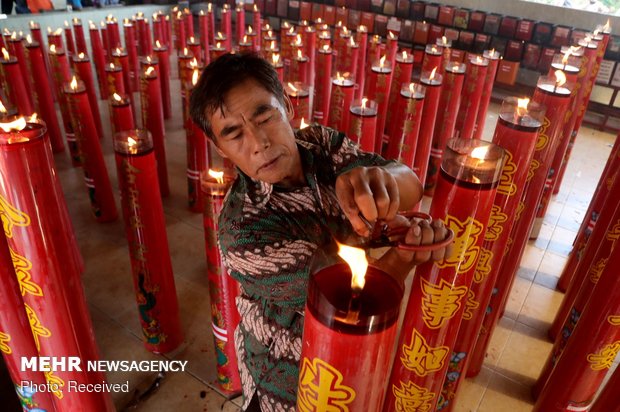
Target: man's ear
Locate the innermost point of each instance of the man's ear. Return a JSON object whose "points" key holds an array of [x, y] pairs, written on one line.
{"points": [[290, 110]]}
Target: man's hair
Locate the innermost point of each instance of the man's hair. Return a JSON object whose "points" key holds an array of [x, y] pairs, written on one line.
{"points": [[220, 76]]}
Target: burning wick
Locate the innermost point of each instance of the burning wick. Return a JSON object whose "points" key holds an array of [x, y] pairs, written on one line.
{"points": [[521, 109], [195, 76], [364, 101], [480, 154], [132, 145], [302, 124], [560, 79], [73, 84], [217, 175], [356, 259]]}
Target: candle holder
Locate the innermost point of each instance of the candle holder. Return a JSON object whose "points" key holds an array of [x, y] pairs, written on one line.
{"points": [[470, 174], [404, 135], [145, 228], [342, 91], [299, 94], [43, 248], [432, 82], [223, 289], [475, 77], [348, 335], [493, 58], [363, 123]]}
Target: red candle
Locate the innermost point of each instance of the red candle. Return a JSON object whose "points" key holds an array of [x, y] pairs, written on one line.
{"points": [[55, 38], [348, 329], [121, 59], [41, 238], [104, 39], [168, 31], [203, 25], [132, 53], [432, 82], [278, 66], [44, 95], [158, 29], [82, 66], [608, 398], [16, 48], [142, 34], [226, 25], [16, 336], [475, 77], [80, 40], [211, 21], [470, 173], [245, 45], [309, 41], [342, 49], [449, 101], [433, 57], [363, 123], [287, 37], [196, 144], [323, 85], [145, 228], [325, 38], [257, 24], [516, 132], [99, 59], [217, 50], [153, 118], [114, 36], [240, 22], [493, 57], [163, 57], [35, 30], [223, 288], [404, 136], [189, 22], [402, 77], [95, 171], [391, 46], [298, 71], [556, 103], [253, 38], [341, 96], [591, 349], [195, 48], [360, 77], [445, 45], [181, 35], [121, 114], [569, 61], [18, 91], [69, 39], [299, 94], [379, 83]]}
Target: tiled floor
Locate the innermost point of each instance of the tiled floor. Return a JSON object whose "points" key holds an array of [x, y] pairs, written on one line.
{"points": [[518, 348]]}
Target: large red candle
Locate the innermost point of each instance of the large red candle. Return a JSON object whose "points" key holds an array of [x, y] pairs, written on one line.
{"points": [[223, 288], [216, 50], [402, 77], [432, 82], [55, 38], [196, 148], [16, 48], [145, 228], [257, 24], [475, 77], [322, 91], [590, 350], [161, 51], [309, 40], [363, 123], [95, 172], [16, 337], [360, 72], [114, 80], [121, 114], [80, 40], [278, 66], [239, 22], [158, 29], [121, 59], [211, 22], [469, 177], [189, 22], [609, 397], [433, 57], [404, 135], [226, 25], [556, 103], [99, 59], [378, 89], [341, 96], [195, 47], [181, 35], [18, 90], [114, 34], [449, 102], [493, 57], [516, 132], [44, 95], [299, 68], [253, 38], [37, 36], [348, 337], [69, 40], [132, 53], [299, 94], [350, 58], [203, 25], [81, 64], [44, 251]]}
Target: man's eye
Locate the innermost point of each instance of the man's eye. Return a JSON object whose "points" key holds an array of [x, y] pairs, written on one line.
{"points": [[265, 119]]}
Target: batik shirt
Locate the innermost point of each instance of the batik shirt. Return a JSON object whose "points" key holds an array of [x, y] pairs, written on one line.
{"points": [[269, 237]]}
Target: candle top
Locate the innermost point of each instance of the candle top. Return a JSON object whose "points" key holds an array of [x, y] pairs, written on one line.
{"points": [[382, 66], [521, 114], [552, 89], [433, 49], [455, 67], [588, 43], [478, 61], [216, 182], [565, 67], [364, 108], [20, 129], [473, 163], [133, 142], [404, 57], [491, 54], [343, 81], [297, 89], [413, 91]]}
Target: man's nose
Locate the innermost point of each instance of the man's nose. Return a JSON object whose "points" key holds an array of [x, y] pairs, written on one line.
{"points": [[261, 140]]}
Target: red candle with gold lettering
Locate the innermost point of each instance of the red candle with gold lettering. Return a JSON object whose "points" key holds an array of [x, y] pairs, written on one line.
{"points": [[378, 90], [278, 66], [475, 76], [432, 82], [516, 132], [609, 397], [98, 59], [216, 50], [121, 113], [121, 59], [145, 228], [239, 22], [114, 80], [449, 102], [360, 73], [96, 177], [349, 330], [161, 51], [223, 288], [433, 57], [257, 23], [181, 35], [322, 91], [44, 251], [404, 136], [363, 123], [309, 41], [18, 90], [153, 118], [402, 76], [196, 147], [493, 57], [300, 97], [114, 35], [299, 68], [195, 47], [341, 96], [81, 64], [470, 173], [132, 53]]}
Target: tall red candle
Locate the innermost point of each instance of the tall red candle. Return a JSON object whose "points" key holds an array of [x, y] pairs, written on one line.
{"points": [[516, 132], [104, 40], [44, 95], [216, 50], [433, 57], [363, 123], [121, 113], [42, 241], [404, 136], [121, 59], [348, 337], [360, 73], [153, 118], [309, 40], [379, 83], [609, 397], [211, 22], [402, 76], [16, 48], [69, 40], [132, 53], [257, 23], [161, 51], [226, 25], [470, 173], [189, 22], [99, 59], [556, 103], [181, 35], [449, 102], [35, 30], [322, 91], [95, 171], [18, 91], [239, 22], [158, 29], [475, 76], [278, 66], [81, 64], [341, 96], [432, 82], [493, 57], [299, 68], [145, 228], [80, 40], [203, 25], [223, 288], [194, 46], [299, 94]]}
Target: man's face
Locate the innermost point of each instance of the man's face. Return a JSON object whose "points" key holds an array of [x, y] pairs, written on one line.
{"points": [[254, 133]]}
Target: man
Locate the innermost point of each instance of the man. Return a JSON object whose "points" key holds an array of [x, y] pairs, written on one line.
{"points": [[294, 195]]}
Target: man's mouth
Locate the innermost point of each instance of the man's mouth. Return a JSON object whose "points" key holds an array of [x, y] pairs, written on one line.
{"points": [[269, 164]]}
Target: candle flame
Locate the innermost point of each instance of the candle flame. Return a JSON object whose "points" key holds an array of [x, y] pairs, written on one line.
{"points": [[149, 70], [2, 108], [249, 30], [391, 35], [193, 63], [362, 28], [300, 55], [81, 55], [339, 77], [179, 15], [58, 31], [112, 66], [522, 106], [148, 59], [404, 55], [356, 259], [292, 86], [91, 25], [560, 78], [434, 48], [352, 42], [479, 59], [272, 46], [606, 27], [218, 45], [382, 61], [66, 23], [298, 41], [291, 30], [33, 25], [345, 31], [209, 7], [217, 175], [52, 49], [202, 13], [191, 39], [412, 88], [480, 152], [220, 35], [275, 59], [117, 97], [432, 76], [195, 76], [185, 51], [326, 47], [566, 56], [267, 27], [119, 50], [255, 7], [14, 126], [131, 142], [444, 40], [302, 124], [574, 49], [364, 101], [157, 44], [28, 39], [49, 30], [456, 67], [73, 83], [5, 54]]}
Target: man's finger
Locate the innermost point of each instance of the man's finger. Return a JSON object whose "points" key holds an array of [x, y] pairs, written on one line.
{"points": [[364, 199]]}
